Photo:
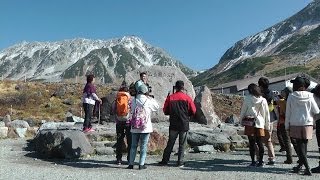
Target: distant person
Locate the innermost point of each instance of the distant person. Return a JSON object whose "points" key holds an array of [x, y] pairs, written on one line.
{"points": [[269, 96], [141, 108], [256, 107], [89, 99], [316, 92], [143, 80], [282, 133], [301, 107], [122, 114], [179, 106]]}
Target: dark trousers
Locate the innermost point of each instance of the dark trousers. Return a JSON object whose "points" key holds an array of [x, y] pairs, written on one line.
{"points": [[123, 130], [88, 111], [318, 134], [172, 139], [253, 140], [280, 138], [301, 151], [286, 141]]}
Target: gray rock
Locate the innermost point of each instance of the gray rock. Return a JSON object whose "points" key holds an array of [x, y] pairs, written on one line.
{"points": [[18, 124], [233, 119], [32, 122], [71, 118], [2, 124], [60, 92], [205, 113], [62, 144], [161, 79], [218, 140], [106, 107], [3, 132], [104, 150], [21, 132], [204, 148], [57, 125], [68, 102]]}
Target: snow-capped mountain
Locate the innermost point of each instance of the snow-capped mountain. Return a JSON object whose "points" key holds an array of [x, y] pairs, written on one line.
{"points": [[296, 38], [68, 59]]}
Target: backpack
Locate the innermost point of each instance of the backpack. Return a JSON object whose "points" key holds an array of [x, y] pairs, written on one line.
{"points": [[139, 117], [122, 106]]}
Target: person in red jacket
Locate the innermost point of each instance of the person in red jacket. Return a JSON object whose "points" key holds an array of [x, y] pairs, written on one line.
{"points": [[179, 106]]}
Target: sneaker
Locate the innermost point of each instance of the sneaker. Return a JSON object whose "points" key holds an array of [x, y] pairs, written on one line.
{"points": [[316, 169], [253, 164], [271, 163], [119, 162], [142, 167], [162, 163], [260, 164], [180, 164], [287, 161], [130, 167], [282, 149], [296, 169], [307, 172]]}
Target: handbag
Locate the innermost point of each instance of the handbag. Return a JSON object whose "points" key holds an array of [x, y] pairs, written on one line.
{"points": [[248, 121]]}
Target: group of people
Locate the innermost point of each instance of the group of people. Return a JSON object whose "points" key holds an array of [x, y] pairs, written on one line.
{"points": [[132, 110], [294, 109]]}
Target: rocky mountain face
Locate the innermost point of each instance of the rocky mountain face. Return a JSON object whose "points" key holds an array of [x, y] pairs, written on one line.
{"points": [[292, 42], [72, 59]]}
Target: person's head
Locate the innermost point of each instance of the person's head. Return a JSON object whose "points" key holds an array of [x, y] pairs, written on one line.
{"points": [[263, 82], [143, 89], [90, 78], [179, 86], [307, 82], [254, 90], [143, 77], [299, 84], [285, 92]]}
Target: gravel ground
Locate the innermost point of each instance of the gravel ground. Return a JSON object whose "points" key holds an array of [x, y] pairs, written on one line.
{"points": [[16, 163]]}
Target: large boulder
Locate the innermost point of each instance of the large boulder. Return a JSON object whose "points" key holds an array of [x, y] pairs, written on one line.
{"points": [[62, 144], [161, 79], [106, 106], [205, 113]]}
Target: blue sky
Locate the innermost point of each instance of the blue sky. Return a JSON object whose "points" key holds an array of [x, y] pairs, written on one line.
{"points": [[195, 32]]}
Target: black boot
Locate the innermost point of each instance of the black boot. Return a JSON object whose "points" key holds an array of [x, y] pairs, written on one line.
{"points": [[316, 169]]}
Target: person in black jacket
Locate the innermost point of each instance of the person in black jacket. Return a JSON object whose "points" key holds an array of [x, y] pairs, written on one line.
{"points": [[179, 106]]}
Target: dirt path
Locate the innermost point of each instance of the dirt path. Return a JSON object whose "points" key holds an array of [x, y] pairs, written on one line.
{"points": [[16, 163]]}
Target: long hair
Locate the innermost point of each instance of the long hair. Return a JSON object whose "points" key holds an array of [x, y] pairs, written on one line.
{"points": [[254, 90]]}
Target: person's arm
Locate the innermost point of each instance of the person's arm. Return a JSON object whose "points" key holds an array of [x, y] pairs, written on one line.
{"points": [[166, 106], [192, 107], [266, 116], [288, 113], [244, 108], [314, 107], [154, 105]]}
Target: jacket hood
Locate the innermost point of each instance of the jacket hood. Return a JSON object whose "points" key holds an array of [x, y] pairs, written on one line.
{"points": [[302, 96], [255, 100]]}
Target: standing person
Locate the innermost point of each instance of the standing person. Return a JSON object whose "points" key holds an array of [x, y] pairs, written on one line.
{"points": [[269, 96], [89, 98], [254, 105], [316, 92], [301, 107], [143, 80], [179, 106], [122, 112], [147, 104], [281, 123]]}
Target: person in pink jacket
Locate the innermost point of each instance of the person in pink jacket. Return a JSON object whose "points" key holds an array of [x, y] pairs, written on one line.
{"points": [[142, 134]]}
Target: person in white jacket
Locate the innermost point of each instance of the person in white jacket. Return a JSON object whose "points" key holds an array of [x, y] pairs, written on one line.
{"points": [[255, 106], [138, 134], [301, 107]]}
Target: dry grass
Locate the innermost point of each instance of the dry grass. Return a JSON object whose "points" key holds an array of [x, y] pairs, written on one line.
{"points": [[35, 100]]}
